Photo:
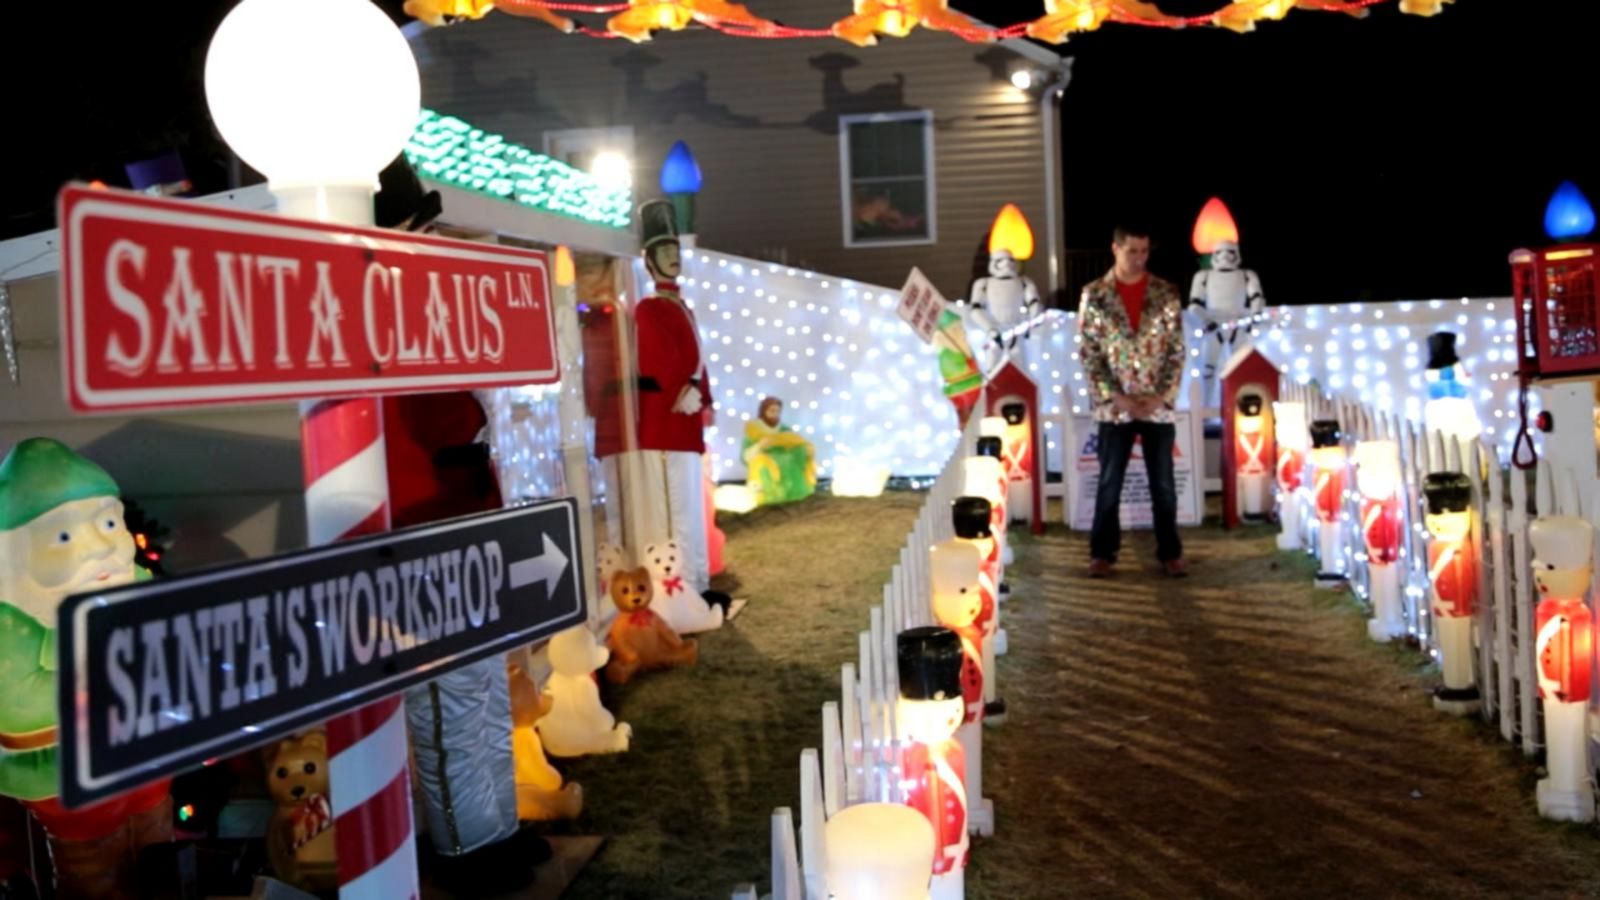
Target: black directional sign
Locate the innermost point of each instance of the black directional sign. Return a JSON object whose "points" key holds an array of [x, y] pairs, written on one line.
{"points": [[159, 677]]}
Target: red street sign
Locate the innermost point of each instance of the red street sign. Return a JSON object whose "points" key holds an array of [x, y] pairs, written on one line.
{"points": [[172, 303]]}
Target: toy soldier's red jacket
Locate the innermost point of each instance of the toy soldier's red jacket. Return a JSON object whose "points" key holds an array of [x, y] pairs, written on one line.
{"points": [[1455, 583], [1330, 494], [1291, 463], [1380, 527], [971, 670], [1563, 628], [936, 789], [669, 358]]}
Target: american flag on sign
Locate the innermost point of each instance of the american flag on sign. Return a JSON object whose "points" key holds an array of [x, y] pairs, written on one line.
{"points": [[920, 305]]}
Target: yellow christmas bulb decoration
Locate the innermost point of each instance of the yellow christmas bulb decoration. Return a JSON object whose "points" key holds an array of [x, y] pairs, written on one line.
{"points": [[1423, 7], [1243, 15], [644, 16], [897, 18], [443, 12], [1064, 17], [566, 273], [1010, 232]]}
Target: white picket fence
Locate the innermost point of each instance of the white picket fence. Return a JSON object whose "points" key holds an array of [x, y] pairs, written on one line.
{"points": [[860, 757], [1505, 504]]}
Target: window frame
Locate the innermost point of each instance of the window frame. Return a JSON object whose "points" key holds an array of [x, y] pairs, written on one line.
{"points": [[846, 206]]}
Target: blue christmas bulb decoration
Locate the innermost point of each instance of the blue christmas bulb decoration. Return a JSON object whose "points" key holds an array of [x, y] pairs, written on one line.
{"points": [[1569, 215], [680, 174]]}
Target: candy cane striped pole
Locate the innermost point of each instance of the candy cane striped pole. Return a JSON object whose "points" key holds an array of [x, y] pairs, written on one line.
{"points": [[347, 494]]}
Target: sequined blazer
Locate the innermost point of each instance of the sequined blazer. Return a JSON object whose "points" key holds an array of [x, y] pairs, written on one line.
{"points": [[1115, 358]]}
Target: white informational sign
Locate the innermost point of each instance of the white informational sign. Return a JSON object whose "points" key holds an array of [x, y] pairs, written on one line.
{"points": [[1083, 476], [920, 305]]}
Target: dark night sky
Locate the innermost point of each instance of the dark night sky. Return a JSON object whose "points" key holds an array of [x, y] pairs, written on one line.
{"points": [[1385, 158]]}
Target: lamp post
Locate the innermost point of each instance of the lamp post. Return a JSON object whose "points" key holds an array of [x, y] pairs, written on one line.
{"points": [[878, 851], [321, 127], [1563, 568], [1289, 425], [1328, 459], [1378, 480], [1453, 580]]}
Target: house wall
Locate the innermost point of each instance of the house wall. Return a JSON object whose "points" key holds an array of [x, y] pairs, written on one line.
{"points": [[226, 482], [762, 117]]}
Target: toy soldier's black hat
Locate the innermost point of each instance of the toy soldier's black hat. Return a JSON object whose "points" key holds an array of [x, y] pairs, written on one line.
{"points": [[1250, 404], [1325, 433], [929, 663], [970, 515], [1014, 413], [1447, 492], [656, 223]]}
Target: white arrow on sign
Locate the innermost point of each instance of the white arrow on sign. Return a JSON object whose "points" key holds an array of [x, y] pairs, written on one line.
{"points": [[547, 567]]}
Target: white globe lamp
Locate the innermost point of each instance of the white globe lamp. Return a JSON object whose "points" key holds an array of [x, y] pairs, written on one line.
{"points": [[318, 95]]}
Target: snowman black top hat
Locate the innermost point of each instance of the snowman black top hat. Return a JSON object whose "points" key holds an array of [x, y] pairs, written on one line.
{"points": [[1442, 350], [990, 446], [929, 661]]}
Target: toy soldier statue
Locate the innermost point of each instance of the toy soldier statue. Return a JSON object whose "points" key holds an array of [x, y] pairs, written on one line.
{"points": [[674, 400]]}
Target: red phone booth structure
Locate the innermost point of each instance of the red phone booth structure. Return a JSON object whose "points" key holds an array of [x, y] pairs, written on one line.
{"points": [[1249, 388]]}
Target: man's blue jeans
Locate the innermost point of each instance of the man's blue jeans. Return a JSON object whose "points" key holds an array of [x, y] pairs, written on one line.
{"points": [[1116, 447]]}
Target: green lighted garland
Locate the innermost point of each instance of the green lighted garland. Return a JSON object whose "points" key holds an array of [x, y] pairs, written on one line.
{"points": [[446, 149]]}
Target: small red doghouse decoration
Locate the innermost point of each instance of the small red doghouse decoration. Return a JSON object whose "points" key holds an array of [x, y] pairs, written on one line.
{"points": [[1014, 396], [1249, 388]]}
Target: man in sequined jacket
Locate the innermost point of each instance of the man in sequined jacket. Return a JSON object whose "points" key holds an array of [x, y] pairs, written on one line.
{"points": [[1131, 328]]}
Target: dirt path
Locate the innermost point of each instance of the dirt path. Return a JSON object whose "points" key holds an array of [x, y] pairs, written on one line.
{"points": [[1236, 735]]}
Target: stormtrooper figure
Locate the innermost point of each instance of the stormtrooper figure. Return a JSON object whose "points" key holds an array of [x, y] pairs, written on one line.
{"points": [[1002, 305], [1219, 297]]}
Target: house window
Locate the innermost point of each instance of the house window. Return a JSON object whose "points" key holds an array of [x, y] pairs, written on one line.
{"points": [[886, 163], [606, 153]]}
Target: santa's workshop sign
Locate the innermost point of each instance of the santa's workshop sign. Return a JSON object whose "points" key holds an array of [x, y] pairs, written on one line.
{"points": [[160, 677], [170, 303]]}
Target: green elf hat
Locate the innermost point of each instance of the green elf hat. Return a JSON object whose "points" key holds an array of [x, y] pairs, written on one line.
{"points": [[40, 474]]}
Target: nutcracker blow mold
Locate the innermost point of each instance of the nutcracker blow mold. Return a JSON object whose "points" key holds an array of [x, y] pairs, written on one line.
{"points": [[955, 569], [674, 395], [984, 476], [993, 446], [1328, 460], [933, 765], [1453, 579], [1250, 449], [1289, 425], [970, 518], [1563, 568], [1378, 480], [61, 532]]}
